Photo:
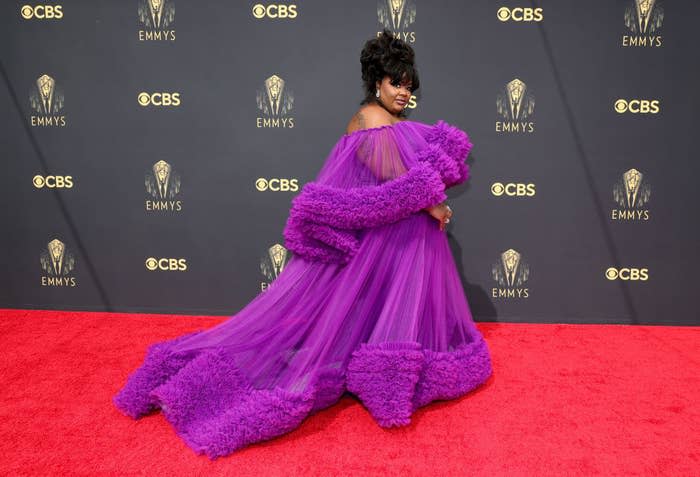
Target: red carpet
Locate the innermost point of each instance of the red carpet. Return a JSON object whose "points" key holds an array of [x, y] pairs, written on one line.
{"points": [[563, 400]]}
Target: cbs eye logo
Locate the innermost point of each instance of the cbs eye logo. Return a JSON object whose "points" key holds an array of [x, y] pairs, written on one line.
{"points": [[275, 185], [159, 99], [41, 11], [513, 189], [637, 106], [274, 11], [641, 274], [166, 264], [518, 14], [53, 182]]}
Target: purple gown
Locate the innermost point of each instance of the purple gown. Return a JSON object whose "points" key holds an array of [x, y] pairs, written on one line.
{"points": [[370, 303]]}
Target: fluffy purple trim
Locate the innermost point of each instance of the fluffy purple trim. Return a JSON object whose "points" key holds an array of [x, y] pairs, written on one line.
{"points": [[447, 150], [394, 379], [451, 374], [319, 242], [384, 377], [323, 220], [214, 408], [212, 405], [370, 206], [159, 364]]}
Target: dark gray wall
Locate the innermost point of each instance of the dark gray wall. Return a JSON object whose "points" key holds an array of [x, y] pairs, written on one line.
{"points": [[571, 56]]}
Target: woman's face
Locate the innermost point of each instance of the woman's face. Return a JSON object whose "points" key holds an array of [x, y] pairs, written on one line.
{"points": [[395, 96]]}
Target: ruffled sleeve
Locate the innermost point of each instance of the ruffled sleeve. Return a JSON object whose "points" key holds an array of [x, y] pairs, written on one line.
{"points": [[375, 179], [447, 150], [370, 206]]}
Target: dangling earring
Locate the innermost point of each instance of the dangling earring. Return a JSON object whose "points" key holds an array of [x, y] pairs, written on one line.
{"points": [[377, 95]]}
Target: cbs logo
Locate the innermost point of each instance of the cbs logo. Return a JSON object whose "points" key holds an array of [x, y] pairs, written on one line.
{"points": [[518, 14], [263, 184], [613, 273], [159, 99], [637, 106], [274, 11], [513, 189], [41, 11], [53, 182], [167, 264]]}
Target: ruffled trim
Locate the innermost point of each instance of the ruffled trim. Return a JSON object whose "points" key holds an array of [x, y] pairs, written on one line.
{"points": [[447, 151], [212, 405], [323, 219], [370, 206], [158, 366], [395, 379], [215, 410], [318, 242]]}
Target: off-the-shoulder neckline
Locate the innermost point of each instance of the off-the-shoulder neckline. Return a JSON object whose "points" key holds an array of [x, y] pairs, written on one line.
{"points": [[357, 131]]}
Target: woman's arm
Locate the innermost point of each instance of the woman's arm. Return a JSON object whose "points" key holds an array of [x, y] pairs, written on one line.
{"points": [[369, 206]]}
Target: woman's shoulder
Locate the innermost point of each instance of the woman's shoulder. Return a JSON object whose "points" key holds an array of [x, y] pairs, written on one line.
{"points": [[369, 116]]}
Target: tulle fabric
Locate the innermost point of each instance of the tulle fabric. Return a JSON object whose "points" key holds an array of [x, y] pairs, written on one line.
{"points": [[392, 326]]}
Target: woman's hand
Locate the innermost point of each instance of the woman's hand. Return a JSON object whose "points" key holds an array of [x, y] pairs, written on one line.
{"points": [[441, 212]]}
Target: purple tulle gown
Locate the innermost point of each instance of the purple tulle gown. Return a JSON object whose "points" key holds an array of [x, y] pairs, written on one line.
{"points": [[370, 302]]}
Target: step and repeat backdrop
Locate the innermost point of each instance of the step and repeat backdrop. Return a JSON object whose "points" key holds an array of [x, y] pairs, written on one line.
{"points": [[151, 148]]}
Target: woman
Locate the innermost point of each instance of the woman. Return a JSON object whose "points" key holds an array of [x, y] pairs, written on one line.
{"points": [[370, 302]]}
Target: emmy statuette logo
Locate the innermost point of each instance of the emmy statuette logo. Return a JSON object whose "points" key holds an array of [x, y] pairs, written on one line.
{"points": [[643, 19], [57, 263], [272, 263], [516, 105], [511, 273], [162, 185], [47, 101], [397, 16], [631, 194], [275, 101], [157, 18]]}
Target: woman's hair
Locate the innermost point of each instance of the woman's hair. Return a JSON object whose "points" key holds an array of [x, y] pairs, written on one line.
{"points": [[386, 55]]}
